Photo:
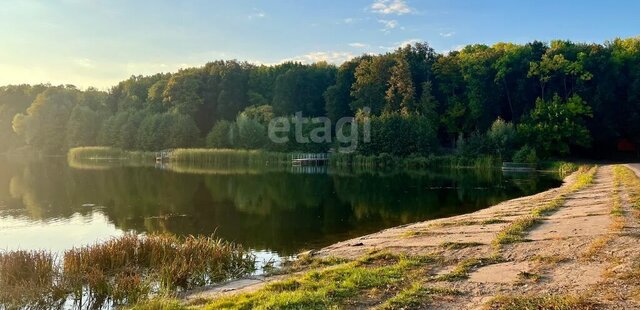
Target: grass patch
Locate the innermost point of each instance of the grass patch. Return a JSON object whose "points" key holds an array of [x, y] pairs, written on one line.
{"points": [[516, 231], [549, 260], [229, 157], [550, 207], [616, 207], [419, 233], [632, 183], [308, 262], [334, 286], [584, 178], [461, 271], [595, 247], [459, 245], [529, 276], [416, 296], [105, 152], [555, 302], [470, 223], [493, 221]]}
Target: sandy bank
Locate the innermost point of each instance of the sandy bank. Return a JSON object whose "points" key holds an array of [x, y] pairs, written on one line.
{"points": [[579, 248]]}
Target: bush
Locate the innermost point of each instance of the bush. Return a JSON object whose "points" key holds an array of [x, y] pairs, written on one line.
{"points": [[526, 154]]}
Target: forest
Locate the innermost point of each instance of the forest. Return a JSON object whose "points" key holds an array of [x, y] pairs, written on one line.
{"points": [[515, 101]]}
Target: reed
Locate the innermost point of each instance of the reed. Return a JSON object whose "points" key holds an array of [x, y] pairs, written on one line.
{"points": [[107, 153], [123, 270], [229, 157], [29, 279], [126, 268]]}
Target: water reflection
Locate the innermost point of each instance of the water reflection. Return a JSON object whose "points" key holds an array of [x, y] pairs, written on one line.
{"points": [[277, 209]]}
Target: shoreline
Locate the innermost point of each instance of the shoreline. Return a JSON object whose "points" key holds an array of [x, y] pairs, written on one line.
{"points": [[574, 245]]}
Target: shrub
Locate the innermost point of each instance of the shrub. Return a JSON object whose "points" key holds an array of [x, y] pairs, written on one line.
{"points": [[526, 154]]}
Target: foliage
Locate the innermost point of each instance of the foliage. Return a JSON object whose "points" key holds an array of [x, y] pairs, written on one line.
{"points": [[553, 126], [526, 154], [503, 137], [560, 98]]}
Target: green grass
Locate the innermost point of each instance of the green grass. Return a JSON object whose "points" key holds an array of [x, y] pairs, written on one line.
{"points": [[561, 167], [387, 161], [461, 271], [550, 207], [493, 221], [229, 157], [530, 302], [415, 296], [516, 231], [333, 286], [105, 152], [616, 207], [584, 178], [631, 182], [309, 262]]}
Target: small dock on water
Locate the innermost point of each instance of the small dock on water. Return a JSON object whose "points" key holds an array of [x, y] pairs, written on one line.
{"points": [[518, 167], [163, 156], [309, 159]]}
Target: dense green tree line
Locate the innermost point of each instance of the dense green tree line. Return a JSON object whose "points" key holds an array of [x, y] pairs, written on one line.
{"points": [[549, 99]]}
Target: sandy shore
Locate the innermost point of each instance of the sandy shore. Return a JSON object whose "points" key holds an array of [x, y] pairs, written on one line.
{"points": [[579, 249]]}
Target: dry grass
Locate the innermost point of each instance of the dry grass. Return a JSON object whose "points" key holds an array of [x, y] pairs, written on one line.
{"points": [[617, 212], [460, 245], [123, 270], [29, 279], [529, 302]]}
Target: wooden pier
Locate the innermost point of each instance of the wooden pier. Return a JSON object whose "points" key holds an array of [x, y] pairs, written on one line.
{"points": [[163, 156], [309, 159]]}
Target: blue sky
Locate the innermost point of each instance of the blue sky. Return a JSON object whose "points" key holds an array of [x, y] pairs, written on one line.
{"points": [[100, 42]]}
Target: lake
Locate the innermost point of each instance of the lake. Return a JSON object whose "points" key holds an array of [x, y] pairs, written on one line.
{"points": [[53, 205]]}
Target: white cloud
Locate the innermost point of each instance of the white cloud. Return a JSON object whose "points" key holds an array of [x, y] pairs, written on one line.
{"points": [[408, 42], [84, 62], [257, 14], [447, 34], [358, 45], [396, 45], [386, 7], [388, 24], [334, 57]]}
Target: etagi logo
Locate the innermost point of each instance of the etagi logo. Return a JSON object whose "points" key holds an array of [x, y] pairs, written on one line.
{"points": [[347, 131]]}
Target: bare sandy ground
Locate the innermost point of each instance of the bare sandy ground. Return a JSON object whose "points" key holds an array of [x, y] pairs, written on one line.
{"points": [[581, 249]]}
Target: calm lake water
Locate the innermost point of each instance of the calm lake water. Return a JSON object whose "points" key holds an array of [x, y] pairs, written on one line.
{"points": [[52, 205]]}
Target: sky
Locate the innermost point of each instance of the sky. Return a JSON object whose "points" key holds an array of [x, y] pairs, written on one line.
{"points": [[101, 42]]}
